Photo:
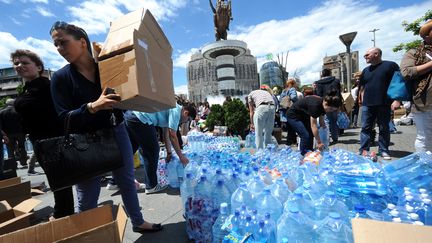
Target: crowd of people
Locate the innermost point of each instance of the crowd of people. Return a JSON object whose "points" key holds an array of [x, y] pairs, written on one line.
{"points": [[75, 91]]}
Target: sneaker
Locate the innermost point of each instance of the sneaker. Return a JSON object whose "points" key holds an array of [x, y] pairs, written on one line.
{"points": [[385, 156], [33, 173], [139, 186], [112, 187], [155, 189]]}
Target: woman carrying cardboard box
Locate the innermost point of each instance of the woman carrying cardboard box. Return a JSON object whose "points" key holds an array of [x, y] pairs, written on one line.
{"points": [[76, 87]]}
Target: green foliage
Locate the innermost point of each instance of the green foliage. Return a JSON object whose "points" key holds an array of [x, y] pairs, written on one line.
{"points": [[3, 102], [413, 27], [20, 89], [236, 117], [215, 117]]}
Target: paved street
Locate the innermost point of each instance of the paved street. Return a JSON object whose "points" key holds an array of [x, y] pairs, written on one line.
{"points": [[165, 207]]}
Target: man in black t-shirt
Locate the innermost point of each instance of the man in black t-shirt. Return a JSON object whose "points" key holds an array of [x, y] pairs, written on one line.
{"points": [[374, 82]]}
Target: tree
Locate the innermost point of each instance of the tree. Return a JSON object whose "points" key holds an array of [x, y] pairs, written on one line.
{"points": [[236, 117], [216, 117], [413, 27]]}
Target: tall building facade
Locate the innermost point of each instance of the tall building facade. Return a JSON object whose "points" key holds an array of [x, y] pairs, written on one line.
{"points": [[9, 81], [338, 65], [202, 77]]}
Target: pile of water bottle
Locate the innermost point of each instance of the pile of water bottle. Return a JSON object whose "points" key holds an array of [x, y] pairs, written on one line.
{"points": [[274, 196]]}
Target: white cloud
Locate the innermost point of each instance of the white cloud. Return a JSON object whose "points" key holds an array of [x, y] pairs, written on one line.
{"points": [[182, 89], [44, 12], [110, 9], [181, 60], [311, 37], [45, 49], [39, 1]]}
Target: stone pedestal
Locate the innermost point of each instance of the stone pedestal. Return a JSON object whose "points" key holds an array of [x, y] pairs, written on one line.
{"points": [[224, 52]]}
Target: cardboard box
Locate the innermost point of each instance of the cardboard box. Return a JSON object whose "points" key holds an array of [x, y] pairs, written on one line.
{"points": [[372, 231], [18, 217], [136, 62], [101, 224], [348, 101], [14, 191]]}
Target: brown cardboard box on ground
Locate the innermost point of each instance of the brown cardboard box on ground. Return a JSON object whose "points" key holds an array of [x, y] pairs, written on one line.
{"points": [[101, 224], [372, 231], [18, 217], [14, 191], [136, 62]]}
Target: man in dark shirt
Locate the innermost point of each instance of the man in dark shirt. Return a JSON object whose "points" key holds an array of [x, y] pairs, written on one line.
{"points": [[374, 82], [12, 127]]}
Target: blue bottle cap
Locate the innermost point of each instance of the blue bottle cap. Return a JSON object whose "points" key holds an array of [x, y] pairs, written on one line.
{"points": [[334, 215], [293, 209], [359, 208]]}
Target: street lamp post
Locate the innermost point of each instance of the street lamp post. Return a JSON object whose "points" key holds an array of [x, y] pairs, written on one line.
{"points": [[347, 39]]}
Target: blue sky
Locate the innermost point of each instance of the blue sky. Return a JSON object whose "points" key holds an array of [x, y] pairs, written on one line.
{"points": [[308, 29]]}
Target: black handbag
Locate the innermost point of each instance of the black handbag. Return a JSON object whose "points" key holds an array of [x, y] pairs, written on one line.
{"points": [[74, 158]]}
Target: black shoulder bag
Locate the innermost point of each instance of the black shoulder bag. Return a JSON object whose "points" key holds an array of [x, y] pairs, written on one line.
{"points": [[74, 158]]}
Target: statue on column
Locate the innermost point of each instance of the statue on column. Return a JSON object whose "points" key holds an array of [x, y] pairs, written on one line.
{"points": [[221, 18]]}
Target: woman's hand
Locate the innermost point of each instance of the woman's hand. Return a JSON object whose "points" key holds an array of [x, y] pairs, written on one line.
{"points": [[320, 146], [105, 101]]}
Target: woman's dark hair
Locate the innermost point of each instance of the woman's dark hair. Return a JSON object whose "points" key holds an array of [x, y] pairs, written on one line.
{"points": [[27, 53], [191, 109], [333, 99], [72, 30]]}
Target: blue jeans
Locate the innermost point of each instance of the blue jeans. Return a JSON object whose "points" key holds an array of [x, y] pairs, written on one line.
{"points": [[382, 115], [144, 136], [333, 126], [88, 191], [304, 131]]}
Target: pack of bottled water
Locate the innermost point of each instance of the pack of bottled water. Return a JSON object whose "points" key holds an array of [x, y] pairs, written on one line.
{"points": [[274, 195]]}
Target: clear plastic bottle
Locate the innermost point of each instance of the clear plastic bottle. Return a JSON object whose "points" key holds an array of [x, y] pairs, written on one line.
{"points": [[247, 225], [280, 190], [265, 202], [240, 197], [28, 145], [221, 194], [295, 227], [334, 229], [187, 188], [255, 186], [261, 234], [172, 173], [218, 232]]}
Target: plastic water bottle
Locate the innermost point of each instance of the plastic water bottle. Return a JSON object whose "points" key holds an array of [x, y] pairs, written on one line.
{"points": [[425, 211], [255, 186], [324, 136], [280, 190], [246, 226], [187, 188], [5, 152], [250, 140], [261, 235], [240, 196], [295, 227], [265, 202], [172, 173], [334, 229], [234, 182], [359, 212], [221, 194], [28, 145], [329, 203], [270, 227], [296, 200], [219, 232], [180, 171]]}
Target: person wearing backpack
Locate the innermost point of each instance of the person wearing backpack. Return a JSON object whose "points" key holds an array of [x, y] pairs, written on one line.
{"points": [[326, 85]]}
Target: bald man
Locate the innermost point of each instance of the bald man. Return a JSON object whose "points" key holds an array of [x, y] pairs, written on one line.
{"points": [[374, 82]]}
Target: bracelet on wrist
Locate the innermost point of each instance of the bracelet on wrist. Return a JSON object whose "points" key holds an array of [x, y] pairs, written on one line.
{"points": [[90, 108]]}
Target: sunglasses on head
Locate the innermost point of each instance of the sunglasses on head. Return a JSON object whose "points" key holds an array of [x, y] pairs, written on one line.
{"points": [[58, 25], [65, 26]]}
